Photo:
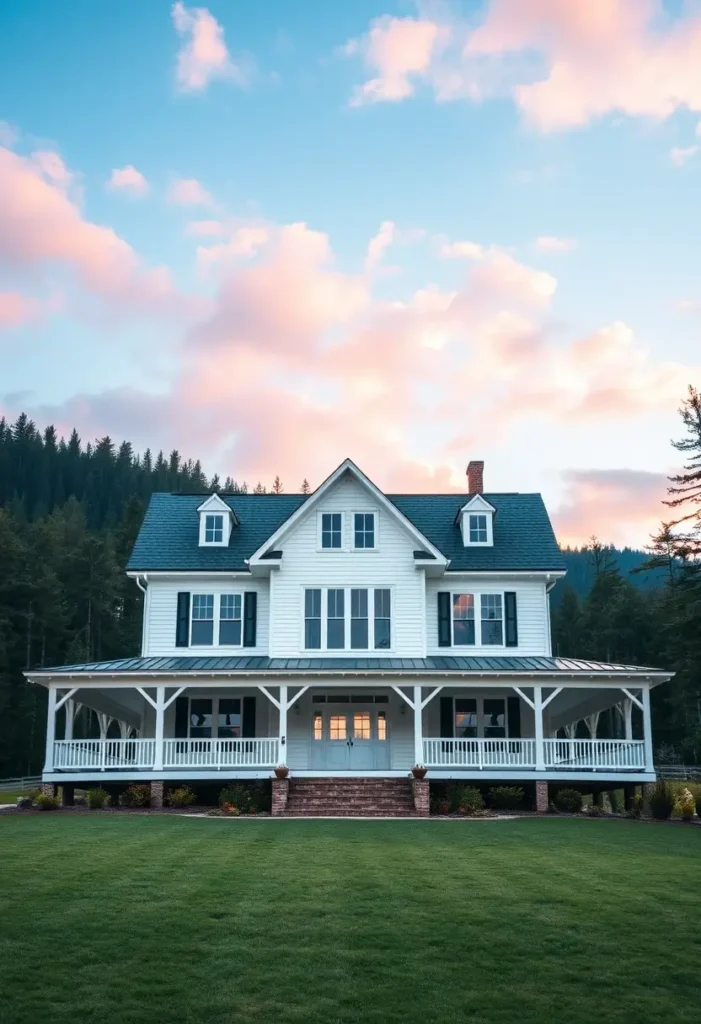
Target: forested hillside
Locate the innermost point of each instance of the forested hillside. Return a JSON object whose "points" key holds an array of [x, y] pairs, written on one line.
{"points": [[69, 514]]}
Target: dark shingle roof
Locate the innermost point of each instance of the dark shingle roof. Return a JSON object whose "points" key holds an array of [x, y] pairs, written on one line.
{"points": [[169, 537], [459, 665]]}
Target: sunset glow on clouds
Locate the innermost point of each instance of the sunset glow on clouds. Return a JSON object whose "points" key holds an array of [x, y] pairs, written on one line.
{"points": [[310, 275]]}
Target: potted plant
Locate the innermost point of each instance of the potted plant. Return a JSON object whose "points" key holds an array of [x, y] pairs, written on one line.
{"points": [[282, 771], [419, 771]]}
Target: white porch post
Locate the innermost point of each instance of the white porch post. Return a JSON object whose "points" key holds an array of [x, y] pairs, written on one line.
{"points": [[538, 715], [647, 729], [628, 717], [160, 715], [50, 730], [70, 715], [418, 727], [282, 731]]}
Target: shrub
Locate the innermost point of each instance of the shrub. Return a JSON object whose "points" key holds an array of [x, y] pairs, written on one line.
{"points": [[569, 800], [183, 796], [595, 810], [229, 809], [33, 794], [662, 801], [506, 798], [45, 802], [466, 799], [137, 795], [245, 799], [97, 798], [687, 805]]}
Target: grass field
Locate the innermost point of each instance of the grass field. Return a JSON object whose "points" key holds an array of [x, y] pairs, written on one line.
{"points": [[166, 919]]}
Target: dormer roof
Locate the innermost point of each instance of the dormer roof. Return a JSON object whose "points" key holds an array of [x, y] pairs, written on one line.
{"points": [[477, 503], [214, 503]]}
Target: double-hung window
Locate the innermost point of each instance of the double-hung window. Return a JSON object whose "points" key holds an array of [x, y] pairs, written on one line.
{"points": [[213, 528], [217, 617], [335, 619], [359, 620], [230, 620], [364, 530], [492, 620], [214, 717], [312, 619], [383, 619], [347, 618], [465, 717], [494, 710], [331, 530], [478, 529], [464, 620], [202, 634]]}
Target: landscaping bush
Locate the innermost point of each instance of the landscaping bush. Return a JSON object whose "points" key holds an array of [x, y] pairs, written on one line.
{"points": [[183, 796], [45, 802], [466, 799], [686, 805], [662, 801], [569, 800], [506, 798], [97, 798], [137, 795], [245, 799], [229, 809]]}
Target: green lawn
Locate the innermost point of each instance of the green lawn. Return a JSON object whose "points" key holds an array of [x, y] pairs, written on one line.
{"points": [[166, 919]]}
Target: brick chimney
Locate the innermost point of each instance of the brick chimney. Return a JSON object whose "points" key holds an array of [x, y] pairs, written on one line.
{"points": [[475, 472]]}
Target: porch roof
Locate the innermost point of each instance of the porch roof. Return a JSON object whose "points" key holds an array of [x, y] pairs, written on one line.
{"points": [[244, 665]]}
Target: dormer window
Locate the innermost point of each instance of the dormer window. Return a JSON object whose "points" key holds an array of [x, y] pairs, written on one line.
{"points": [[476, 521], [213, 529], [217, 520], [478, 529]]}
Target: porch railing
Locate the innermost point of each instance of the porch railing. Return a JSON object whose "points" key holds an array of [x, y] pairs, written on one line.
{"points": [[479, 753], [103, 754], [229, 753], [611, 755]]}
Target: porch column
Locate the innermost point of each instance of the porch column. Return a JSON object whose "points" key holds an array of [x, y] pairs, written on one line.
{"points": [[50, 730], [538, 715], [628, 718], [282, 730], [70, 715], [418, 727], [647, 728], [160, 715]]}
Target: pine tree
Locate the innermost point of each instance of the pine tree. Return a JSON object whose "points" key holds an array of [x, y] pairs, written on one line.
{"points": [[305, 488], [259, 489], [277, 487]]}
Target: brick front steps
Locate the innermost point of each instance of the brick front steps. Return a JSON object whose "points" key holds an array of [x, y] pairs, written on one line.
{"points": [[333, 797]]}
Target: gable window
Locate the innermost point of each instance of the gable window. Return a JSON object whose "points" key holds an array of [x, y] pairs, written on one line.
{"points": [[335, 620], [312, 619], [359, 620], [492, 620], [478, 529], [465, 717], [331, 530], [383, 619], [463, 620], [364, 530], [213, 528], [230, 620], [202, 632]]}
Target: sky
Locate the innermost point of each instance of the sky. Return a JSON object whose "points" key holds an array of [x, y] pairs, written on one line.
{"points": [[273, 236]]}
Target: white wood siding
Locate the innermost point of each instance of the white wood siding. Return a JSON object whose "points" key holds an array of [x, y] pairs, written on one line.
{"points": [[532, 611], [391, 565], [162, 605]]}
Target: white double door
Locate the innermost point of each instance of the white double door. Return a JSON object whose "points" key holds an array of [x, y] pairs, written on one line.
{"points": [[350, 739]]}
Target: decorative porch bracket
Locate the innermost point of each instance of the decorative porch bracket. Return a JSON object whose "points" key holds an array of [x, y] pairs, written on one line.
{"points": [[283, 705], [66, 696], [632, 697]]}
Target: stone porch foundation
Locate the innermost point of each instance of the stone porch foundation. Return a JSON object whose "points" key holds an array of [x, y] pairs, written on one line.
{"points": [[541, 797], [281, 790], [157, 789], [421, 788]]}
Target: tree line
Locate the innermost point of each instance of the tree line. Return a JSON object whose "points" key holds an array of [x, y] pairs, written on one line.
{"points": [[69, 515]]}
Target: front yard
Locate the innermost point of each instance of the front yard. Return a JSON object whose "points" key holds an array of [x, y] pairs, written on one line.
{"points": [[119, 920]]}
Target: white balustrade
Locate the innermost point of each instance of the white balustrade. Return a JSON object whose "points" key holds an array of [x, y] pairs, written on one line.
{"points": [[609, 755], [479, 753], [221, 753], [103, 754]]}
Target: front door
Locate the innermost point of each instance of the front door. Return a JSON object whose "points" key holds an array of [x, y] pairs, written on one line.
{"points": [[350, 740]]}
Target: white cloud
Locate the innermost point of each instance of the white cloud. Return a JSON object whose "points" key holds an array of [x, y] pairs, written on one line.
{"points": [[551, 243], [128, 179], [204, 55], [188, 192], [680, 155]]}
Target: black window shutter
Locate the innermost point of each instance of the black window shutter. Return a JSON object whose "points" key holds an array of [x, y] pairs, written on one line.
{"points": [[248, 727], [250, 606], [447, 721], [181, 718], [514, 712], [511, 618], [182, 626], [444, 619]]}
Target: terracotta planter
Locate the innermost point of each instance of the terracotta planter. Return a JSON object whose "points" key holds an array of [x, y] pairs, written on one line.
{"points": [[419, 773], [282, 773]]}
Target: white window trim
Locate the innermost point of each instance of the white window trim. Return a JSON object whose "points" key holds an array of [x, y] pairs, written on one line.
{"points": [[376, 517], [330, 512], [489, 516], [370, 650], [480, 715], [478, 595], [226, 529], [215, 698], [217, 610]]}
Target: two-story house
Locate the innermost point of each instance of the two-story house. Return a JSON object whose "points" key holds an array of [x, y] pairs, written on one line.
{"points": [[349, 634]]}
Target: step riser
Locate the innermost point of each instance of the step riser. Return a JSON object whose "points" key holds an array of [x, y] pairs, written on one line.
{"points": [[357, 798]]}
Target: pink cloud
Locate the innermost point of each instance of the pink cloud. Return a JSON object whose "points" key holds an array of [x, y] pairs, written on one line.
{"points": [[16, 309], [378, 244], [189, 192], [203, 55], [619, 506], [244, 241], [128, 179], [398, 51], [680, 156], [205, 229], [551, 243]]}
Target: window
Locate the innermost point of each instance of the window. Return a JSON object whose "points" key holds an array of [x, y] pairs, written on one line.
{"points": [[230, 620], [494, 717], [381, 726], [229, 718], [364, 530], [463, 620], [478, 529], [318, 726], [213, 529], [201, 717], [331, 530], [382, 620], [202, 634], [337, 727], [222, 712], [312, 620], [465, 717], [492, 620], [335, 620], [359, 620], [362, 726]]}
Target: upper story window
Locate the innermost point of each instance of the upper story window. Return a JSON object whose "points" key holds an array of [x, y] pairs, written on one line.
{"points": [[463, 619], [465, 624], [347, 618], [213, 528], [477, 522], [221, 618], [478, 529], [217, 520], [492, 620], [331, 531], [364, 530]]}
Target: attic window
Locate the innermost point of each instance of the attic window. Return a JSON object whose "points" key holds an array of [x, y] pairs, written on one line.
{"points": [[477, 522], [213, 529], [478, 529], [216, 522]]}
